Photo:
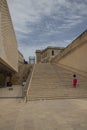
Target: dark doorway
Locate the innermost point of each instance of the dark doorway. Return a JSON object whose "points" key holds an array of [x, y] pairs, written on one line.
{"points": [[52, 52], [2, 80]]}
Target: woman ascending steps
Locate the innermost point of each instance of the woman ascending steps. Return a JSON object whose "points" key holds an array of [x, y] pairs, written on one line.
{"points": [[74, 81]]}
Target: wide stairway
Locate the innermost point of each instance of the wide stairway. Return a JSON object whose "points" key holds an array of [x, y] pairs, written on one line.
{"points": [[53, 82]]}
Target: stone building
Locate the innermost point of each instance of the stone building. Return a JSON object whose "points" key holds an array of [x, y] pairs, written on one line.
{"points": [[44, 56], [8, 45]]}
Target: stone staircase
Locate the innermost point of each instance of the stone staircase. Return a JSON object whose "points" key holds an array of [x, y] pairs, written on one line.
{"points": [[53, 82]]}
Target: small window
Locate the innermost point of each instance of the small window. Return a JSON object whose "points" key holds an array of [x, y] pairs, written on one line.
{"points": [[52, 52]]}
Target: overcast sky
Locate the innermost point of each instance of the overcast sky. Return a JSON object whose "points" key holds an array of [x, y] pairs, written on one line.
{"points": [[42, 23]]}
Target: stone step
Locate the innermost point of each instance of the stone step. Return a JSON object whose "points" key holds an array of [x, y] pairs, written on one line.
{"points": [[51, 82], [54, 98]]}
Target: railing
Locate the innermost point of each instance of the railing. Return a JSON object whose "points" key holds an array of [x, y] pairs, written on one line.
{"points": [[28, 83], [25, 87]]}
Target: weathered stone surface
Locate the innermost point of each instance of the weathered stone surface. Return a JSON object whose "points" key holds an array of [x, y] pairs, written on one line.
{"points": [[43, 115], [53, 81]]}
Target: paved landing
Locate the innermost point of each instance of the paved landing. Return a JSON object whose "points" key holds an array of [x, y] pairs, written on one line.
{"points": [[11, 92], [68, 114]]}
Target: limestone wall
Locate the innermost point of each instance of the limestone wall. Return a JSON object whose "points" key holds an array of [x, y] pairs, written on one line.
{"points": [[75, 54], [8, 43], [23, 72], [20, 58]]}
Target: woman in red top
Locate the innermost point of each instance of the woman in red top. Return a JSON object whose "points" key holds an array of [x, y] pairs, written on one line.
{"points": [[74, 81]]}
